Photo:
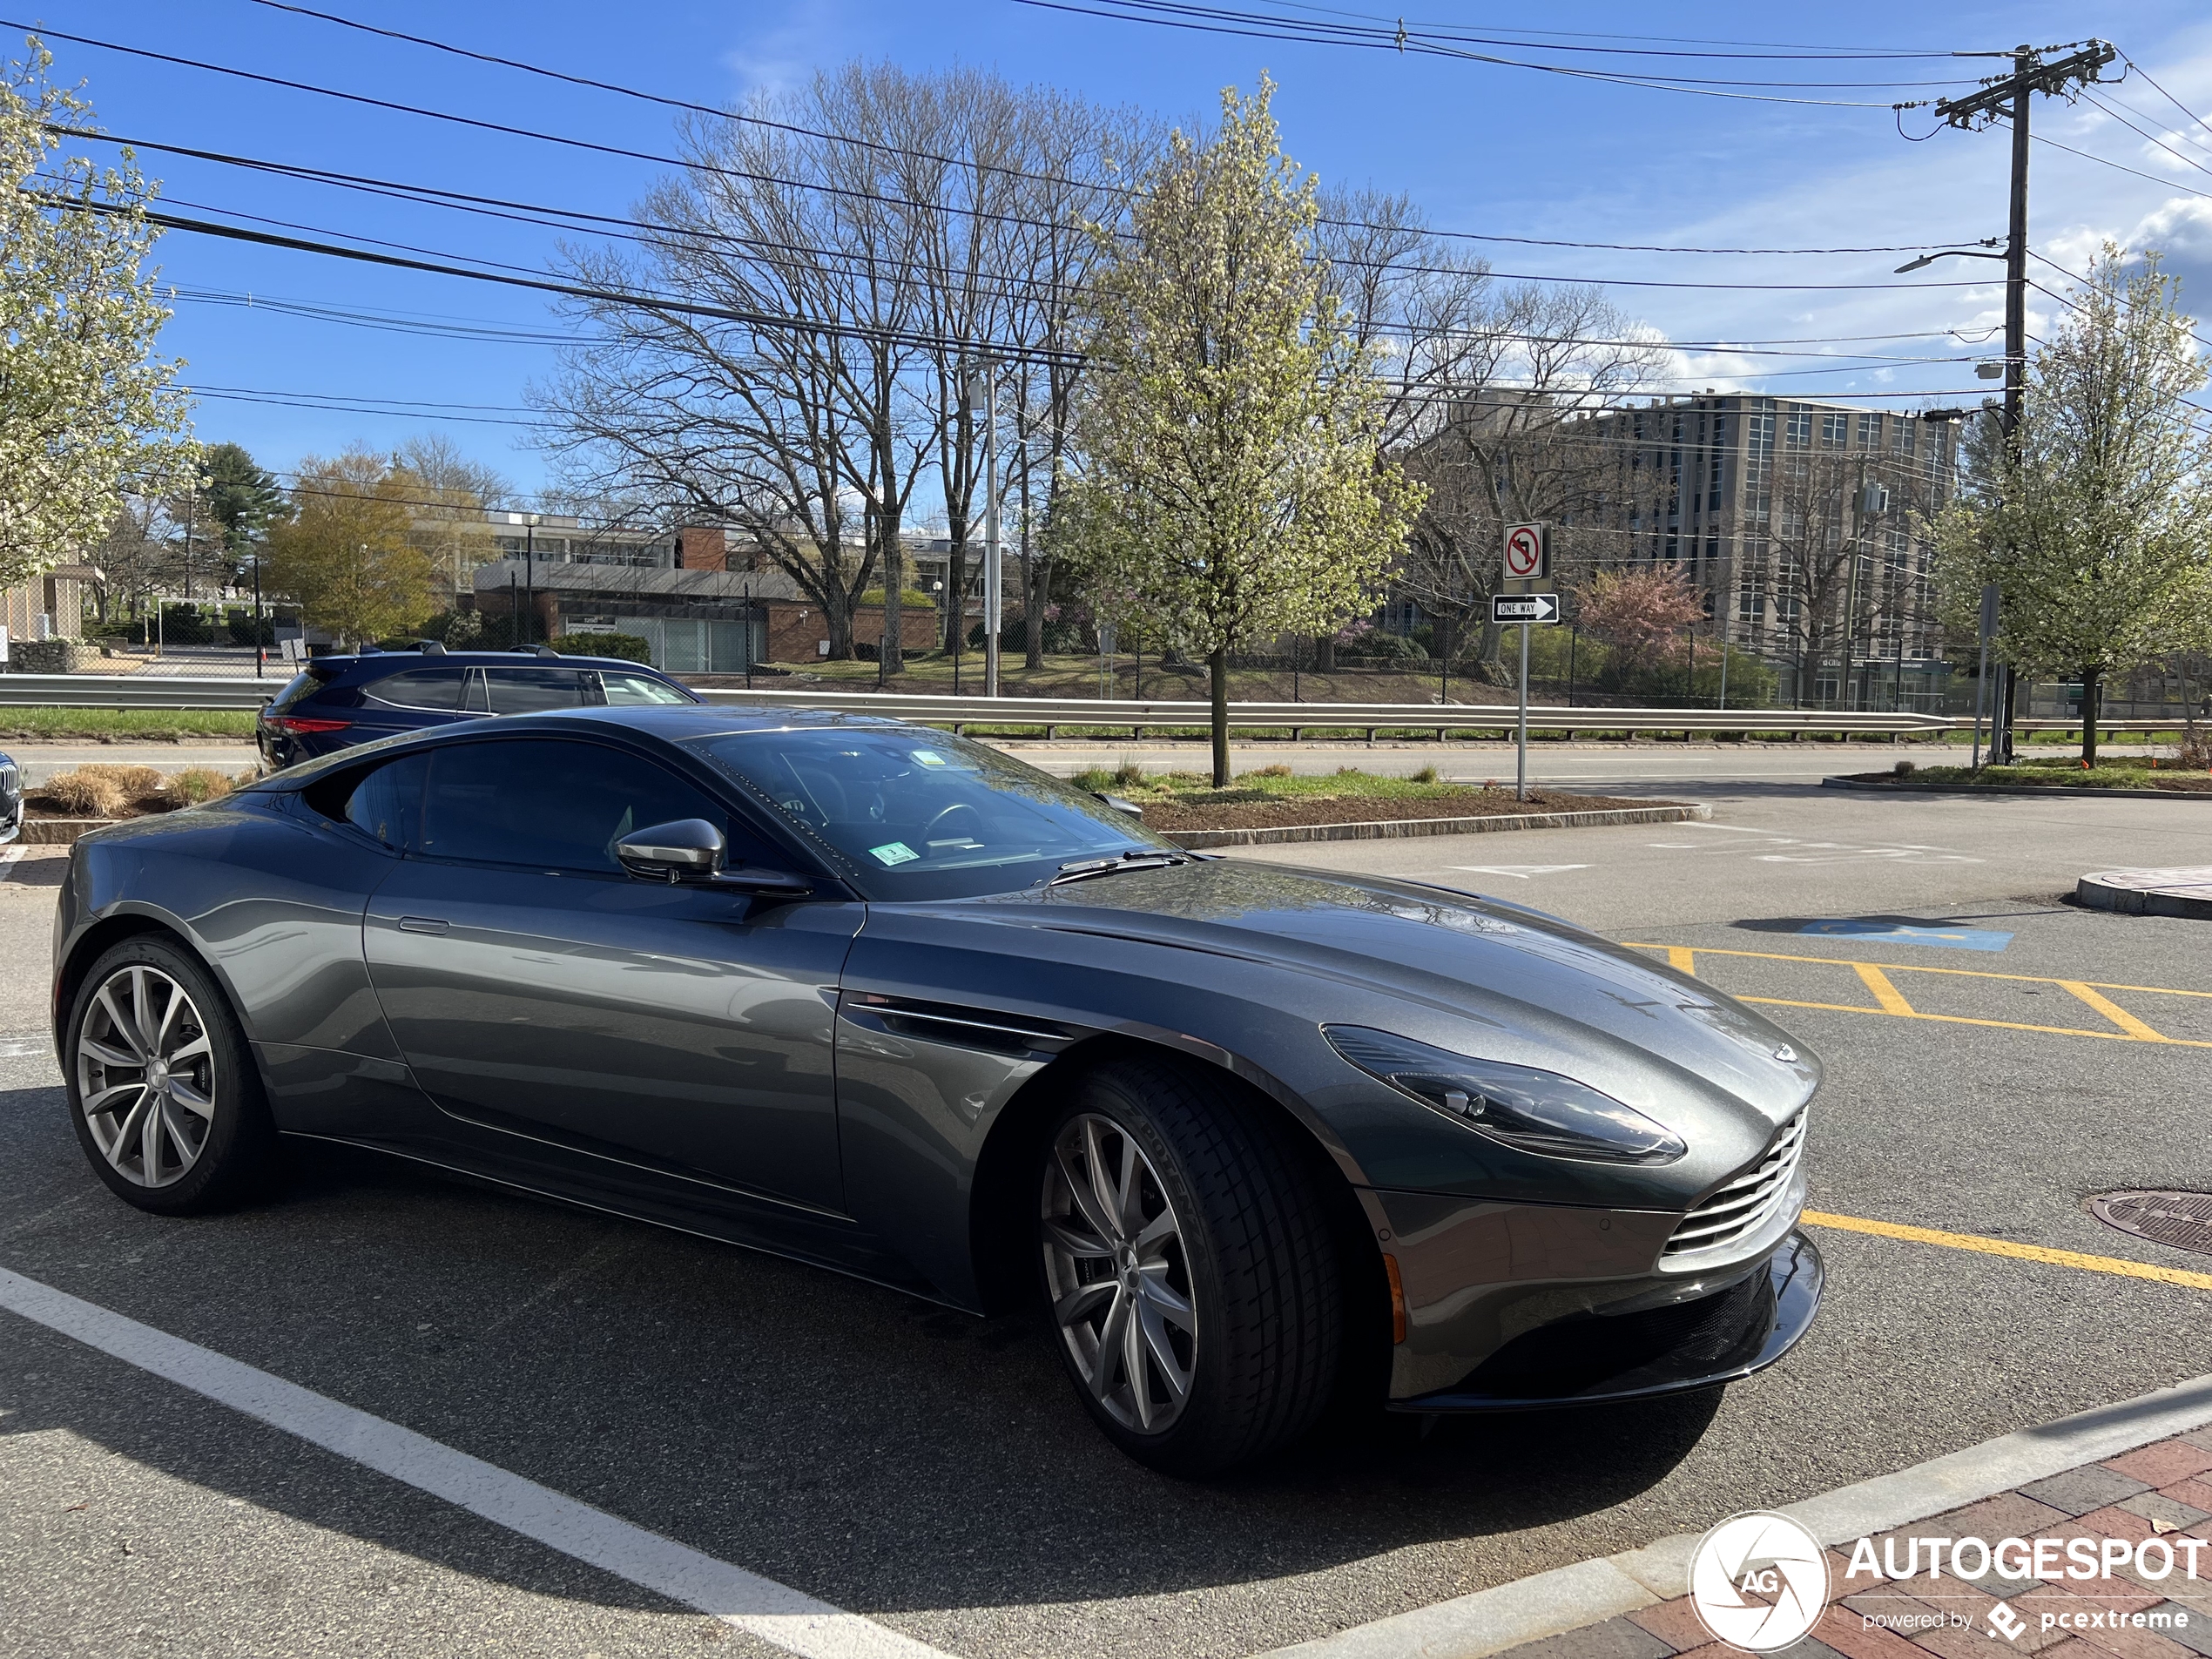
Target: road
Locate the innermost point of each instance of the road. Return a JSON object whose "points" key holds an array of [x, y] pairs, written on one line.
{"points": [[931, 1473], [1574, 765]]}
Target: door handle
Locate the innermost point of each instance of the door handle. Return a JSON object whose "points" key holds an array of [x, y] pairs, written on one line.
{"points": [[424, 925]]}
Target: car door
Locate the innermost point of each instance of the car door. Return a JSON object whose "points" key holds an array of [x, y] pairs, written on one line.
{"points": [[412, 699], [534, 691], [535, 989]]}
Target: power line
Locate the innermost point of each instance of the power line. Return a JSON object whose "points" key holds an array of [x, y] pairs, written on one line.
{"points": [[2187, 161], [1122, 191], [602, 296], [2135, 68], [1132, 13]]}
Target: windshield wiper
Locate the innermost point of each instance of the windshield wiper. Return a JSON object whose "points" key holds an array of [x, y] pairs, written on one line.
{"points": [[1083, 869]]}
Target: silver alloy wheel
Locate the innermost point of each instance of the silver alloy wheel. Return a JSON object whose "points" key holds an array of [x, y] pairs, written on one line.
{"points": [[1119, 1274], [146, 1076]]}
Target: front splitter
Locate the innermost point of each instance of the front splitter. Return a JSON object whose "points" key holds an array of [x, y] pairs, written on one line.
{"points": [[1778, 1320]]}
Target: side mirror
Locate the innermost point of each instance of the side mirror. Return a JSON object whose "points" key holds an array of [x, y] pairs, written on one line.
{"points": [[1120, 804], [688, 849], [692, 849]]}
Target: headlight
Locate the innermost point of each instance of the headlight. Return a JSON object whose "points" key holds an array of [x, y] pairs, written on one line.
{"points": [[1536, 1112]]}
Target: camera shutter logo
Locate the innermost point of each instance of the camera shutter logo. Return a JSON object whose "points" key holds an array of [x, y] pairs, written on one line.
{"points": [[1759, 1582]]}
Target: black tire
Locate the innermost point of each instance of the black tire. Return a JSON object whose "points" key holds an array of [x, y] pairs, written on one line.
{"points": [[201, 1160], [1255, 1254]]}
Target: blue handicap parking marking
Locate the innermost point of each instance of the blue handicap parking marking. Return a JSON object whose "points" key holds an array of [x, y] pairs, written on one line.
{"points": [[1934, 934]]}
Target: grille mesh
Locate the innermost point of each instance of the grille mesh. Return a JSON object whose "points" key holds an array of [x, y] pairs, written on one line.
{"points": [[1746, 1204]]}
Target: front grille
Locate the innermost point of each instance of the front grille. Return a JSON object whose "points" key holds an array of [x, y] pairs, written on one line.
{"points": [[1746, 1204]]}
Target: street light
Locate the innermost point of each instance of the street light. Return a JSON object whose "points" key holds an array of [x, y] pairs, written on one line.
{"points": [[1927, 260]]}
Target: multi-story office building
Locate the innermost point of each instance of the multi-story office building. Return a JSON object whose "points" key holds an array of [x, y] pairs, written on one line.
{"points": [[1804, 524]]}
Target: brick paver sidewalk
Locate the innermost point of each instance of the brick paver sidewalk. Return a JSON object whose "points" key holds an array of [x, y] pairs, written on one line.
{"points": [[2161, 1490]]}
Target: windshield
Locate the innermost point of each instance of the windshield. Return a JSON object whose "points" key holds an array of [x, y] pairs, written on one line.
{"points": [[916, 814]]}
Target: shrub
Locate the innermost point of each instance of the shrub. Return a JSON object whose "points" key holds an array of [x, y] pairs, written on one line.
{"points": [[632, 648], [1128, 775], [1095, 779], [196, 784], [136, 783], [1425, 775], [85, 793]]}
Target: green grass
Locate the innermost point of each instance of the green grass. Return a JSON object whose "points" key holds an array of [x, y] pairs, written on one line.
{"points": [[1195, 788], [2124, 772], [147, 725]]}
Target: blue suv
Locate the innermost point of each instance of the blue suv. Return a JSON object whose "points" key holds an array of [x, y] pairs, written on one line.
{"points": [[341, 701]]}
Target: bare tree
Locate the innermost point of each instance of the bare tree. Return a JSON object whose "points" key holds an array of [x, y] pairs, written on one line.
{"points": [[1500, 386], [447, 494], [138, 557]]}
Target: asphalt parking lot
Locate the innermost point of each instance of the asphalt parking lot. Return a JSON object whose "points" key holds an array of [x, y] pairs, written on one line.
{"points": [[1994, 1057]]}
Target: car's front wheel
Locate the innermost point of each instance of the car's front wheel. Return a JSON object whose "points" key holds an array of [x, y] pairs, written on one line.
{"points": [[163, 1092], [1192, 1274]]}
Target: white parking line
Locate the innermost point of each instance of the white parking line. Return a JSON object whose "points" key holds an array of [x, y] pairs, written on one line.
{"points": [[776, 1614], [10, 856]]}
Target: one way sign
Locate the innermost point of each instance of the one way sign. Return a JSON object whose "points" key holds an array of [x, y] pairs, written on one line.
{"points": [[1524, 607]]}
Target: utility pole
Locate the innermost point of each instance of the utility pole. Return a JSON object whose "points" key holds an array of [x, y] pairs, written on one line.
{"points": [[2005, 97], [992, 574]]}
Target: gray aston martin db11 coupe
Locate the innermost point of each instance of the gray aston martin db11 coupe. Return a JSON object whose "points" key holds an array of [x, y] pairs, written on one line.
{"points": [[1254, 1138]]}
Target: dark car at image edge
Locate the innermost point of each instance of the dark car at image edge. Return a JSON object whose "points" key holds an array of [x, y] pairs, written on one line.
{"points": [[1250, 1139], [338, 702]]}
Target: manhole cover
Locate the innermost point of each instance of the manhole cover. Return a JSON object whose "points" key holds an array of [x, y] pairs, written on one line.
{"points": [[2181, 1219]]}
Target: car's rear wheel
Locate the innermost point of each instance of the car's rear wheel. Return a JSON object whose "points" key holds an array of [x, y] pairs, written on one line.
{"points": [[162, 1089], [1192, 1274]]}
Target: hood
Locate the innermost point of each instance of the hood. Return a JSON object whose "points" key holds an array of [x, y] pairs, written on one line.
{"points": [[1501, 977]]}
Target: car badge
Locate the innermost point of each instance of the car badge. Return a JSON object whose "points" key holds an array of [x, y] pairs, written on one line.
{"points": [[1785, 1054]]}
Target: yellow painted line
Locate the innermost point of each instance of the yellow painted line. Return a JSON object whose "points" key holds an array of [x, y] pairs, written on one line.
{"points": [[2119, 1016], [1885, 993], [2113, 1264], [1960, 1019], [1682, 959], [1922, 967]]}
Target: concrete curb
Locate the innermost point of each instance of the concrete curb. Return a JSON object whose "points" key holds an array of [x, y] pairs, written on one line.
{"points": [[61, 832], [1569, 1598], [1390, 829], [2192, 900], [2019, 789]]}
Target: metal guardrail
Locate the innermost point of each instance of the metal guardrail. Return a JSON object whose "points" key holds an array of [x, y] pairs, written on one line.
{"points": [[1112, 714], [136, 691], [1137, 717]]}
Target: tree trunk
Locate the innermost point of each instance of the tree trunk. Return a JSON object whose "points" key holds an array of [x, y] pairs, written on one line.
{"points": [[2092, 701], [891, 643], [1325, 653], [1219, 665]]}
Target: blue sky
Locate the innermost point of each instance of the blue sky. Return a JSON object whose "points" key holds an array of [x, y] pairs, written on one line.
{"points": [[1481, 148]]}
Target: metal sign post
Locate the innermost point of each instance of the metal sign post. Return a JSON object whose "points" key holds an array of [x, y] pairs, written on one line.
{"points": [[1527, 609], [1527, 559]]}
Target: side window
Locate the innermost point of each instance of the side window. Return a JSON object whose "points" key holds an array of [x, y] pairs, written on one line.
{"points": [[533, 691], [638, 690], [419, 688], [387, 803], [555, 804]]}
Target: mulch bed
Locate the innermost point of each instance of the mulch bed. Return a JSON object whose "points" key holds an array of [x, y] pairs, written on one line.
{"points": [[1372, 809]]}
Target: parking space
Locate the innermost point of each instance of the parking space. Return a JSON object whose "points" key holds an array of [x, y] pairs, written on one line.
{"points": [[932, 1474]]}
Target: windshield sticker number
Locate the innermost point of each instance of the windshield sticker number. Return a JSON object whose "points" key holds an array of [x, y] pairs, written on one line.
{"points": [[896, 852]]}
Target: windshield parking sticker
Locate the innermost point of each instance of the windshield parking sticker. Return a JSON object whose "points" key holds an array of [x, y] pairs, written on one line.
{"points": [[894, 853], [927, 757]]}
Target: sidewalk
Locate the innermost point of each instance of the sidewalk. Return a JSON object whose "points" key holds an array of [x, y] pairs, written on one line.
{"points": [[2161, 1490], [2135, 1476]]}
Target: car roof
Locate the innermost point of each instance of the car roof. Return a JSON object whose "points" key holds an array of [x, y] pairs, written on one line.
{"points": [[668, 723], [392, 662]]}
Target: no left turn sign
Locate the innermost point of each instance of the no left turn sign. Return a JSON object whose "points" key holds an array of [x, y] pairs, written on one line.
{"points": [[1527, 551]]}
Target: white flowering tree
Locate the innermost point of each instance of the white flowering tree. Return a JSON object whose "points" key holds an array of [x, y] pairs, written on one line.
{"points": [[1230, 423], [85, 406]]}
